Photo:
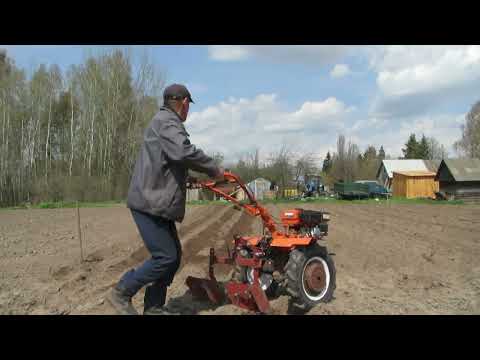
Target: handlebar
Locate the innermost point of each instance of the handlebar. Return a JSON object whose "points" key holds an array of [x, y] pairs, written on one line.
{"points": [[232, 179], [253, 207]]}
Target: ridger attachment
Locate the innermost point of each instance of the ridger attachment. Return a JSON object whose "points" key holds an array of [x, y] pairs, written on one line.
{"points": [[207, 288], [291, 259], [247, 296]]}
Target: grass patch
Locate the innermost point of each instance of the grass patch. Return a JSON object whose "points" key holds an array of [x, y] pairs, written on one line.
{"points": [[425, 201], [65, 205], [321, 200], [332, 200]]}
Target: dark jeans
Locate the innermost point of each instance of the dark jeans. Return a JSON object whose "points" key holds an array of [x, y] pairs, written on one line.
{"points": [[161, 240]]}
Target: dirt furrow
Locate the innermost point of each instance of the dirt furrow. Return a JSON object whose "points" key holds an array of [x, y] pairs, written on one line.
{"points": [[390, 259]]}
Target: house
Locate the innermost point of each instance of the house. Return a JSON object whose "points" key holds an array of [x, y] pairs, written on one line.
{"points": [[460, 179], [387, 167], [414, 184]]}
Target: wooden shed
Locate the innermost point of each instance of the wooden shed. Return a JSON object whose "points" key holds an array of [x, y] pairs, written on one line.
{"points": [[415, 184], [388, 167]]}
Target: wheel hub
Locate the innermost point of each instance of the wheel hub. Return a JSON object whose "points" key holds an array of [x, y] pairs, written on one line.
{"points": [[314, 277]]}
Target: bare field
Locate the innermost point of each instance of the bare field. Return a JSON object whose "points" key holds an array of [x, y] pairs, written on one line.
{"points": [[390, 259]]}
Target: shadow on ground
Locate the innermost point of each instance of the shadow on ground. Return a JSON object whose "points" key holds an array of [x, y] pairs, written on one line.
{"points": [[186, 304]]}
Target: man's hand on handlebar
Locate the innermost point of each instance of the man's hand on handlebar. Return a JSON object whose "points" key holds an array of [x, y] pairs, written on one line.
{"points": [[193, 183]]}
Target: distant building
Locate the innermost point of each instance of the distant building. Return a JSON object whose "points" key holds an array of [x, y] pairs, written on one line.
{"points": [[388, 167], [414, 184], [258, 187], [460, 179]]}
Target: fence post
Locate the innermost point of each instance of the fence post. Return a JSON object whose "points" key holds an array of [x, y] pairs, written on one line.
{"points": [[79, 233]]}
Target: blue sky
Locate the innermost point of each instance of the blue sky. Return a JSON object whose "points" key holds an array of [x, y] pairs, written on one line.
{"points": [[262, 96]]}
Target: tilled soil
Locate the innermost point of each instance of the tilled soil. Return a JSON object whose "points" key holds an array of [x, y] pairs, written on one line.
{"points": [[390, 259]]}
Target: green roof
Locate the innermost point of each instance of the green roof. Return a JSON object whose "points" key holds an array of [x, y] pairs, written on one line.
{"points": [[464, 169]]}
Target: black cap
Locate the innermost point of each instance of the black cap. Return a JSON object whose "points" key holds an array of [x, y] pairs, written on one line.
{"points": [[177, 92]]}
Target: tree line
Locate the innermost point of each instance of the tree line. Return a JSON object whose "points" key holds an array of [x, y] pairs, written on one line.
{"points": [[287, 168], [426, 148], [73, 135]]}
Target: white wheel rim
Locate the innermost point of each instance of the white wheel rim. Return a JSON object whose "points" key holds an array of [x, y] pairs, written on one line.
{"points": [[327, 278], [250, 279]]}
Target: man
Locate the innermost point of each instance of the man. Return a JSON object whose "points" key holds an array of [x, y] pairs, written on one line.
{"points": [[156, 199]]}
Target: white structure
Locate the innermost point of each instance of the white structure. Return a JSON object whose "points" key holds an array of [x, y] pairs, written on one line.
{"points": [[257, 187], [193, 195]]}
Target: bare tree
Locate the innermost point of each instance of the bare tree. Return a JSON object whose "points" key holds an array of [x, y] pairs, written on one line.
{"points": [[436, 151], [469, 144], [305, 165], [345, 163], [340, 160], [351, 168], [86, 129], [279, 167]]}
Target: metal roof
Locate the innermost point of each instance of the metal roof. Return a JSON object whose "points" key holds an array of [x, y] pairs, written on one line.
{"points": [[259, 180], [464, 169], [403, 165]]}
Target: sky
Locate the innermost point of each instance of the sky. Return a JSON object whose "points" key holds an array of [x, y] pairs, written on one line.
{"points": [[262, 96]]}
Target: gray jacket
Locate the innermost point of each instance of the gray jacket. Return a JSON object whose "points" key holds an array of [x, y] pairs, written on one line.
{"points": [[158, 184]]}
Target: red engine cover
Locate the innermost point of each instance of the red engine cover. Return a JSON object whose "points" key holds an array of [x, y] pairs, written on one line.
{"points": [[291, 217]]}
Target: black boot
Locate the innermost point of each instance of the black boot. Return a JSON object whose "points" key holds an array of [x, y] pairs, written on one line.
{"points": [[154, 301], [121, 302]]}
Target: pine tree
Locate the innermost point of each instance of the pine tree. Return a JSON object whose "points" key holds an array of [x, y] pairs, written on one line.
{"points": [[381, 153], [423, 149], [411, 148], [327, 163]]}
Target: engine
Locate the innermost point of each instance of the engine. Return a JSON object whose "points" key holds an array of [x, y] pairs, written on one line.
{"points": [[306, 222]]}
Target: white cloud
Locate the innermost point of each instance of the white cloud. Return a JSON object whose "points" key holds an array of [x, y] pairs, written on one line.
{"points": [[329, 113], [227, 52], [443, 127], [371, 124], [414, 79], [340, 70], [411, 79], [306, 54], [417, 69], [238, 125], [415, 87]]}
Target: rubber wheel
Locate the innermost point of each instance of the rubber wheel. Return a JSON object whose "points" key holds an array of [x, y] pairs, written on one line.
{"points": [[310, 274]]}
